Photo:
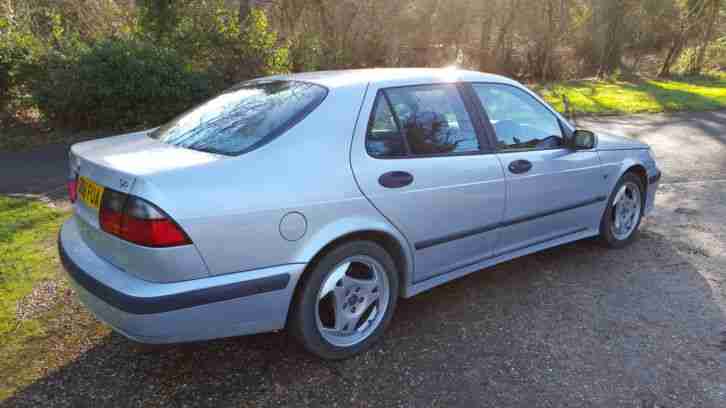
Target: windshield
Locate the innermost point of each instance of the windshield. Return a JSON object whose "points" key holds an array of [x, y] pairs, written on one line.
{"points": [[242, 118]]}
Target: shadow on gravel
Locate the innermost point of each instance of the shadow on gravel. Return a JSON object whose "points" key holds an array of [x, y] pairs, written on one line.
{"points": [[707, 123], [577, 325]]}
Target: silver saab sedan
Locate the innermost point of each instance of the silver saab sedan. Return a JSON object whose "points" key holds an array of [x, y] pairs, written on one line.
{"points": [[313, 202]]}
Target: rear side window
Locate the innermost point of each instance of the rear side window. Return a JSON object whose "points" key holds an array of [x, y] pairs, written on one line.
{"points": [[420, 121], [242, 118], [384, 138]]}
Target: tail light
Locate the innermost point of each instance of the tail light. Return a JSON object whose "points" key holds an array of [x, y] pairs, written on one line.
{"points": [[136, 220], [73, 188]]}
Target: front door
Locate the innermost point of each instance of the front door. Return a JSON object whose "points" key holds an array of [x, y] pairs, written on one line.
{"points": [[424, 164], [552, 191]]}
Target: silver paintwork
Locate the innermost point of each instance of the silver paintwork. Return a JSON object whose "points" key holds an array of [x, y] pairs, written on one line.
{"points": [[233, 208], [251, 314]]}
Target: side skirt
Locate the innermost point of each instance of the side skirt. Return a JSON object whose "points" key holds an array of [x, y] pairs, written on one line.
{"points": [[437, 280]]}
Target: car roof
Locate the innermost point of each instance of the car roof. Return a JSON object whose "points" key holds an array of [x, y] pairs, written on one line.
{"points": [[392, 77]]}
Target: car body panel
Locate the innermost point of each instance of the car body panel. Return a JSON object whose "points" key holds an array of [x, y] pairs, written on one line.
{"points": [[460, 215], [440, 211], [236, 316], [607, 141], [617, 162], [497, 258], [165, 265], [563, 190]]}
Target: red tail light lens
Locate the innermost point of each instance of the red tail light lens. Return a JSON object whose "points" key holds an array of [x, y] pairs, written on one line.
{"points": [[136, 220], [110, 216], [73, 188]]}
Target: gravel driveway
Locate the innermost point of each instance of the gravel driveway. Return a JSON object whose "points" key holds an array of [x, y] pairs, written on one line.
{"points": [[573, 326]]}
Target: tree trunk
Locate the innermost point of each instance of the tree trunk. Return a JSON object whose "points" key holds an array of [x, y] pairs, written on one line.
{"points": [[697, 65], [612, 48], [425, 34], [484, 52], [327, 36], [502, 55], [673, 53], [549, 40], [244, 12]]}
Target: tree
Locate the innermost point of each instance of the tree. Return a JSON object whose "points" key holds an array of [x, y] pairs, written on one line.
{"points": [[159, 17], [687, 15], [710, 14]]}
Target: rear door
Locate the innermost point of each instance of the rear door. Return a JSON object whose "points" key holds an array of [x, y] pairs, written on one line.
{"points": [[552, 190], [427, 167]]}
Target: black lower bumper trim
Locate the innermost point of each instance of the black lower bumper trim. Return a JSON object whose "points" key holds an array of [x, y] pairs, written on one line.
{"points": [[465, 234], [168, 303]]}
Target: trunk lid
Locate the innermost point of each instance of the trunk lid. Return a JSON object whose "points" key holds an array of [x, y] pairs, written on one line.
{"points": [[118, 163]]}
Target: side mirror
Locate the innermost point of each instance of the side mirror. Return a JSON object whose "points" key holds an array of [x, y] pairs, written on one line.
{"points": [[583, 139]]}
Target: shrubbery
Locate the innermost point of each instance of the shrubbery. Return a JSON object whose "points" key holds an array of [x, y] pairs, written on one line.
{"points": [[117, 83], [18, 55], [136, 75]]}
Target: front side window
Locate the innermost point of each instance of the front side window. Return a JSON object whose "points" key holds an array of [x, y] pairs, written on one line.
{"points": [[519, 120], [242, 118], [424, 120]]}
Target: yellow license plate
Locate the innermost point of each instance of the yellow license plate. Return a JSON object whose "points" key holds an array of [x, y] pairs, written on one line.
{"points": [[90, 193]]}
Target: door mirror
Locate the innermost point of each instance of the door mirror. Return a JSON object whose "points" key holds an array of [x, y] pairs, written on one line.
{"points": [[583, 139]]}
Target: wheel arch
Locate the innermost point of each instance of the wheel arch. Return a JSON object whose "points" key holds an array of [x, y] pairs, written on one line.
{"points": [[393, 245], [632, 166]]}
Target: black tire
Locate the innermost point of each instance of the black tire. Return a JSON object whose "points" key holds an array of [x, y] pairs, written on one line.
{"points": [[607, 238], [303, 321]]}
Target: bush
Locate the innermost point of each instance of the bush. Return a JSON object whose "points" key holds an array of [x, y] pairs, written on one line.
{"points": [[251, 53], [19, 51], [118, 83]]}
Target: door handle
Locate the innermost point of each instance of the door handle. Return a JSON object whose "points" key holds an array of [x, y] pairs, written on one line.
{"points": [[520, 166], [395, 179]]}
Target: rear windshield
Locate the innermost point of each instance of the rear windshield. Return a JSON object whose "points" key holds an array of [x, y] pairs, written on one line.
{"points": [[242, 118]]}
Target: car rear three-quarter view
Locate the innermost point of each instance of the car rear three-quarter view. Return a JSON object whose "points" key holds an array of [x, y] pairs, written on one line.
{"points": [[312, 202]]}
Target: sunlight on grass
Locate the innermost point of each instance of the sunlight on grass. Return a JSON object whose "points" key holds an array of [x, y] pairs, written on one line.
{"points": [[27, 256], [622, 97], [27, 251]]}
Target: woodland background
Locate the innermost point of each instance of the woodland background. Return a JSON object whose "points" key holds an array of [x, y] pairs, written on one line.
{"points": [[121, 64]]}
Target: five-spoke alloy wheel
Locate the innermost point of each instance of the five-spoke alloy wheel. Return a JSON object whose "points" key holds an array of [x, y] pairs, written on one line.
{"points": [[622, 217], [352, 300], [346, 300]]}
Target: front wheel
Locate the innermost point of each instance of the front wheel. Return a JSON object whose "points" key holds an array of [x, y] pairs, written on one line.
{"points": [[620, 222], [346, 301]]}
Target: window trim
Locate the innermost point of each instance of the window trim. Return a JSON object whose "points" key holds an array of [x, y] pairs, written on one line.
{"points": [[279, 131], [462, 88], [485, 117], [396, 120]]}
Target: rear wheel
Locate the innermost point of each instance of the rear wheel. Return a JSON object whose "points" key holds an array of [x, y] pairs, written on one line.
{"points": [[346, 301], [619, 225]]}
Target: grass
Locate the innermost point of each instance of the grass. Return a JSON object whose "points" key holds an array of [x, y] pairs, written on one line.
{"points": [[27, 238], [28, 258], [601, 97]]}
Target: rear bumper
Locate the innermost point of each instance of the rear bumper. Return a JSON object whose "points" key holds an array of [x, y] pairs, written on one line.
{"points": [[219, 306]]}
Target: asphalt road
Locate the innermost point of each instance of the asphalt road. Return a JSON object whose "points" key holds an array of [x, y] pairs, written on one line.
{"points": [[574, 326], [39, 172]]}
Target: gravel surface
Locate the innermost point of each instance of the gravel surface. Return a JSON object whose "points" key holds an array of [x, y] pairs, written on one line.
{"points": [[579, 325]]}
